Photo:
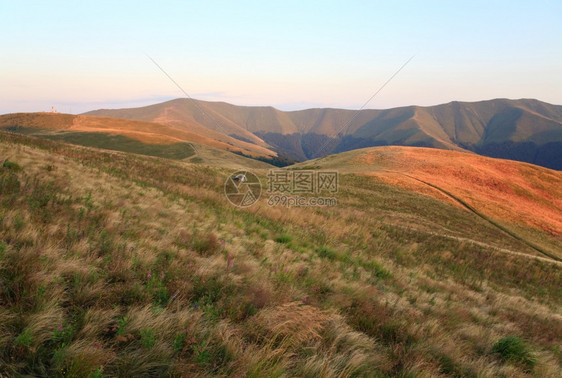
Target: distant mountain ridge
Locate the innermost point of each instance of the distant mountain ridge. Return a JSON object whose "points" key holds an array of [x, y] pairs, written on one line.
{"points": [[526, 130], [80, 129]]}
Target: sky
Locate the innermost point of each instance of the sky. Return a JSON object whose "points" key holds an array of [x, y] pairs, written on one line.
{"points": [[84, 55]]}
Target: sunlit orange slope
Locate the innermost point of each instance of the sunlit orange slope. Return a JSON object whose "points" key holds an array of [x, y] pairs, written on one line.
{"points": [[504, 190], [146, 132]]}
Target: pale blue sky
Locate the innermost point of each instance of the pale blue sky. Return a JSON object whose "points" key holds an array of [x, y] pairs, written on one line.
{"points": [[84, 55]]}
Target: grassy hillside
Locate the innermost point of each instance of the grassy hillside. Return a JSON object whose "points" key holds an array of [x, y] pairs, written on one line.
{"points": [[524, 130], [218, 158], [114, 264], [122, 143], [134, 135], [205, 117], [509, 194]]}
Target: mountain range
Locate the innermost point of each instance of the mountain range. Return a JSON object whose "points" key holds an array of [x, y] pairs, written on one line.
{"points": [[525, 130]]}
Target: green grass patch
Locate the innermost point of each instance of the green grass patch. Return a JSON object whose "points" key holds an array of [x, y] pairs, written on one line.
{"points": [[206, 244], [284, 239], [327, 253], [375, 268], [148, 339], [9, 184], [514, 349], [10, 165], [25, 338], [176, 151]]}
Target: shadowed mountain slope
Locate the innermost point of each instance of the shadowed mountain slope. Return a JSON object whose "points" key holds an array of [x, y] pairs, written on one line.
{"points": [[525, 130]]}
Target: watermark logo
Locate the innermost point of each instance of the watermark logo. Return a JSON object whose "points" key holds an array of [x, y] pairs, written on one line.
{"points": [[242, 188], [300, 201], [288, 188], [300, 188], [302, 182]]}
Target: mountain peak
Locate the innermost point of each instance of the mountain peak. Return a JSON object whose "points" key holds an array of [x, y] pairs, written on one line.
{"points": [[524, 129]]}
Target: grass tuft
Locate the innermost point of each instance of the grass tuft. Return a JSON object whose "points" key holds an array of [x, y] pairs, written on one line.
{"points": [[206, 244], [327, 253], [10, 165], [284, 239]]}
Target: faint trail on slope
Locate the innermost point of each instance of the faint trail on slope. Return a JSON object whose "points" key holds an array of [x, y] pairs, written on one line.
{"points": [[477, 213], [482, 244]]}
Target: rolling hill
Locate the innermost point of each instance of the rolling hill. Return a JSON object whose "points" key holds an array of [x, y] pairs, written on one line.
{"points": [[151, 138], [524, 130], [118, 264], [512, 196]]}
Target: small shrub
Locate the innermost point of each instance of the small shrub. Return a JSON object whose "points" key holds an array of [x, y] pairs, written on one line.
{"points": [[96, 373], [210, 354], [121, 326], [60, 356], [158, 291], [447, 364], [105, 243], [11, 165], [259, 296], [147, 338], [394, 332], [18, 222], [375, 268], [327, 253], [41, 195], [179, 342], [62, 335], [207, 244], [210, 290], [25, 338], [284, 239], [9, 184], [202, 354], [512, 348]]}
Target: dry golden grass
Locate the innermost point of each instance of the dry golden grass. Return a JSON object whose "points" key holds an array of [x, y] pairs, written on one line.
{"points": [[506, 190], [146, 132], [122, 265]]}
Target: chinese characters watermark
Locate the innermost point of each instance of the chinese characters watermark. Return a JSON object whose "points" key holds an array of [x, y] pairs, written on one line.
{"points": [[289, 188], [302, 182]]}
